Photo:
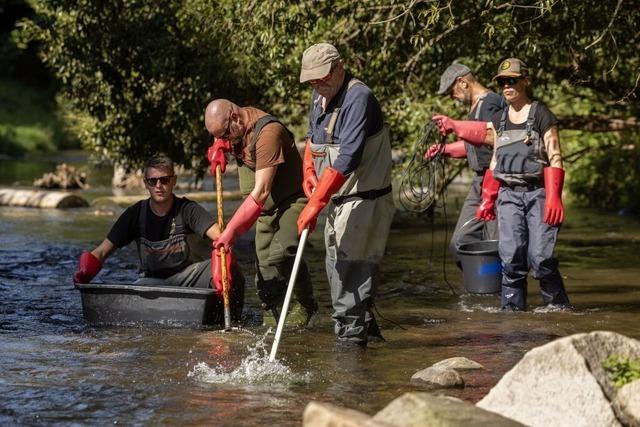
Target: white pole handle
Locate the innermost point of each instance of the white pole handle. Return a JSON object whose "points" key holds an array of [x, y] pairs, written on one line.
{"points": [[287, 298]]}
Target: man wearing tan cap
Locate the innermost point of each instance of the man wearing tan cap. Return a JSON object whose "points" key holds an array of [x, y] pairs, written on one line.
{"points": [[347, 165], [524, 183], [459, 83]]}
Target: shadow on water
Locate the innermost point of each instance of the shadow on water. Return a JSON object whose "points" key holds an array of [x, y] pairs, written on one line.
{"points": [[57, 370]]}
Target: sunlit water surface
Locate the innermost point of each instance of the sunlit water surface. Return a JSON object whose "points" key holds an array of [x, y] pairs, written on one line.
{"points": [[57, 370]]}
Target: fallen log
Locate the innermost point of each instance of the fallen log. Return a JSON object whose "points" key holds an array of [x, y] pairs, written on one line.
{"points": [[41, 199]]}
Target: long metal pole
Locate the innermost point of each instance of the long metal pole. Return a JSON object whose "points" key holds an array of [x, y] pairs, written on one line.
{"points": [[287, 298]]}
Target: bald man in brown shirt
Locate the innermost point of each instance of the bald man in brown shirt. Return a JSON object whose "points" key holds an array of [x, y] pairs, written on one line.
{"points": [[270, 173]]}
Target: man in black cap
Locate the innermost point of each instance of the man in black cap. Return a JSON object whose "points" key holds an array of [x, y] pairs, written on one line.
{"points": [[459, 83]]}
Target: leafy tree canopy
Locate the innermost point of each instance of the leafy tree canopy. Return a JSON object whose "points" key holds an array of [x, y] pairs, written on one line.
{"points": [[138, 73]]}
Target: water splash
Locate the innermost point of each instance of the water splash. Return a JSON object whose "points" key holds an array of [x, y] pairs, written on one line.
{"points": [[470, 303], [254, 369]]}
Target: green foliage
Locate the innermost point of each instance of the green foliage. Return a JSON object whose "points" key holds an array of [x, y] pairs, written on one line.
{"points": [[138, 73], [622, 370], [28, 122]]}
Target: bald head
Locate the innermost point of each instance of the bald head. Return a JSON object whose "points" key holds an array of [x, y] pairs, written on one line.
{"points": [[216, 116]]}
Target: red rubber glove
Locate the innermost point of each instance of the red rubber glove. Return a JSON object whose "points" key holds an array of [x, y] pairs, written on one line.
{"points": [[456, 150], [244, 218], [553, 183], [216, 154], [216, 269], [490, 187], [88, 266], [330, 182], [473, 132], [310, 179]]}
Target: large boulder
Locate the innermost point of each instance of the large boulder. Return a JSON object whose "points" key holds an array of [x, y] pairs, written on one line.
{"points": [[563, 383], [419, 409], [628, 401]]}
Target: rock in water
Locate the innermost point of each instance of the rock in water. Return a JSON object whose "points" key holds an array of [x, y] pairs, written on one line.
{"points": [[563, 383], [424, 409], [438, 378], [318, 414], [458, 363]]}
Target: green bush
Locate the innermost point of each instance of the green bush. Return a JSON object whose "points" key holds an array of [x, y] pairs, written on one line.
{"points": [[622, 369]]}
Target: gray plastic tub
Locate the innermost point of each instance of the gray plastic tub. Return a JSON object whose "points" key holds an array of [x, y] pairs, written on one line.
{"points": [[481, 266], [118, 304]]}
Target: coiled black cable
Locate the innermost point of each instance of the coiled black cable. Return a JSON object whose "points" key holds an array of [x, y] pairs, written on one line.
{"points": [[423, 180]]}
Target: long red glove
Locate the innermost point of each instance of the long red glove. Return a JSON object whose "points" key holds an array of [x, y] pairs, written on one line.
{"points": [[456, 150], [216, 269], [88, 266], [490, 187], [216, 154], [473, 132], [330, 182], [244, 218], [553, 183], [310, 179]]}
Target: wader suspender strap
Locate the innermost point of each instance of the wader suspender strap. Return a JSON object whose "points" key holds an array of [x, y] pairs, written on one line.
{"points": [[481, 98], [257, 128], [336, 110], [530, 119]]}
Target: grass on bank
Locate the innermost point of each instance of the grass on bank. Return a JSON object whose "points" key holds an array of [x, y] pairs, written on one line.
{"points": [[29, 122]]}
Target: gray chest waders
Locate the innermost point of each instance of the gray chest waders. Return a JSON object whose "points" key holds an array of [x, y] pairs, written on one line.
{"points": [[168, 256], [479, 158], [526, 241], [520, 153], [358, 222]]}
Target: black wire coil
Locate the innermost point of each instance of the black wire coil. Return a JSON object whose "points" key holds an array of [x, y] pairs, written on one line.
{"points": [[423, 180]]}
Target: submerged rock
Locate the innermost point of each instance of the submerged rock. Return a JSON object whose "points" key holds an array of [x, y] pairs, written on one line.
{"points": [[458, 363], [438, 378], [424, 409], [563, 383]]}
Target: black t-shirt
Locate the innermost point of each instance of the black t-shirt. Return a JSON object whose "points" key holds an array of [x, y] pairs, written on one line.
{"points": [[544, 120], [127, 228]]}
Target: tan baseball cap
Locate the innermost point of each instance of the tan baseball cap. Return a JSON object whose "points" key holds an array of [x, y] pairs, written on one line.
{"points": [[317, 60], [512, 67]]}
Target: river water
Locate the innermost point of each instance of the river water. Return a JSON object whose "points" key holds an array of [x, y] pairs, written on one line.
{"points": [[57, 370]]}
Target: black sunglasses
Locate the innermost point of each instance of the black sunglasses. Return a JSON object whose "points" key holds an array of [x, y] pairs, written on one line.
{"points": [[508, 81], [164, 180]]}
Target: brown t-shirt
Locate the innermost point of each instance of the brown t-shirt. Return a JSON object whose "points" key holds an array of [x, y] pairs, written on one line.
{"points": [[274, 147], [269, 150]]}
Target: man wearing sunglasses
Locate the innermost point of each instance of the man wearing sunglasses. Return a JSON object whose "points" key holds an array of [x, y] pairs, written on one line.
{"points": [[524, 185], [347, 166], [270, 175], [459, 83], [167, 230]]}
